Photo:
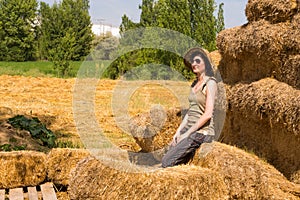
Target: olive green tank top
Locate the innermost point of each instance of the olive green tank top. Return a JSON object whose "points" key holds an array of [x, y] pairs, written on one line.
{"points": [[196, 110]]}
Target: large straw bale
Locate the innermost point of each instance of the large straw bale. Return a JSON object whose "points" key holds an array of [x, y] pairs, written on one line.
{"points": [[290, 71], [93, 180], [215, 57], [272, 10], [260, 37], [151, 135], [246, 175], [60, 163], [295, 177], [22, 168], [292, 43], [296, 21], [264, 117], [256, 51]]}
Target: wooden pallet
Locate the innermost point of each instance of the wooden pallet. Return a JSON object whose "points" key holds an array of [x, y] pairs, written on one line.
{"points": [[44, 192]]}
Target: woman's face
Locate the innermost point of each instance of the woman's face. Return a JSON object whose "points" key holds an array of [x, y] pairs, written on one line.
{"points": [[198, 65]]}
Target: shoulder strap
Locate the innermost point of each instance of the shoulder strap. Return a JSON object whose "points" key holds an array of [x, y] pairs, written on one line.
{"points": [[210, 78]]}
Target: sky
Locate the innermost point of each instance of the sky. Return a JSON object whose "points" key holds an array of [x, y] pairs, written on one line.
{"points": [[110, 11]]}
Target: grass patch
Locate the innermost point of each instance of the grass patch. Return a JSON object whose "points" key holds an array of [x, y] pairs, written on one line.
{"points": [[46, 68]]}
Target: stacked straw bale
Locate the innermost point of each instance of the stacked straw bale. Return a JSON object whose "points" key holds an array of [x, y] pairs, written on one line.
{"points": [[246, 175], [215, 57], [296, 177], [60, 163], [291, 70], [272, 10], [260, 64], [261, 49], [93, 180], [22, 168], [264, 117]]}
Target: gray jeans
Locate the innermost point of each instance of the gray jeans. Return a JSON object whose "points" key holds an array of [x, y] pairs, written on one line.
{"points": [[185, 150]]}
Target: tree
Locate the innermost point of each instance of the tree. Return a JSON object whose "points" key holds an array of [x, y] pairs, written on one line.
{"points": [[65, 33], [203, 23], [18, 30], [104, 47], [220, 20], [148, 16], [192, 18], [78, 21], [50, 30]]}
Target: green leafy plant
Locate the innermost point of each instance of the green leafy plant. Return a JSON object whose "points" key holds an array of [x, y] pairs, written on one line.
{"points": [[19, 148], [35, 127], [5, 147], [9, 147]]}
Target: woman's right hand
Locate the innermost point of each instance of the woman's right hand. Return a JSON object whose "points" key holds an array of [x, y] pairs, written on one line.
{"points": [[175, 138]]}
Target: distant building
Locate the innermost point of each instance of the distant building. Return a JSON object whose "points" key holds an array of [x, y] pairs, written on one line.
{"points": [[102, 29]]}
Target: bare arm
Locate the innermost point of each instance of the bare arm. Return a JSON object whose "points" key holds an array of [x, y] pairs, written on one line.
{"points": [[177, 134], [183, 123]]}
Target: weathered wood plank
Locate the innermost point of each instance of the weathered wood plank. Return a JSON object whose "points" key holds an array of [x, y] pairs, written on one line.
{"points": [[48, 192], [32, 193], [2, 194], [16, 194]]}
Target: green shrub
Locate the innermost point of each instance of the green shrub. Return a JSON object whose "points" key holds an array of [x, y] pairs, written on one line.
{"points": [[36, 129]]}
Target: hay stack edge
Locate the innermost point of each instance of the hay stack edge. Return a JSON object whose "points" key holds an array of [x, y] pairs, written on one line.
{"points": [[31, 168], [22, 168], [91, 179]]}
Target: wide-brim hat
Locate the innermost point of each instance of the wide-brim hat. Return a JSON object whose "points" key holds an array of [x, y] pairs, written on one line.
{"points": [[189, 55]]}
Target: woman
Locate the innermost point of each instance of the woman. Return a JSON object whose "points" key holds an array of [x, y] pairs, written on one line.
{"points": [[197, 126]]}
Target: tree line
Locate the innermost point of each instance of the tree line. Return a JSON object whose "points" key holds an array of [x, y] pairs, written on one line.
{"points": [[63, 32], [195, 22], [59, 33]]}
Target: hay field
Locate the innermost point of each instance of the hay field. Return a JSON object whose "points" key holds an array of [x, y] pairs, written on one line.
{"points": [[50, 99]]}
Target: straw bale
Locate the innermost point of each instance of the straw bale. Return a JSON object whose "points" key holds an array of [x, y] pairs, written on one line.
{"points": [[295, 177], [151, 135], [296, 21], [272, 10], [246, 175], [93, 180], [60, 162], [264, 117], [292, 43], [215, 57], [22, 168], [256, 51], [290, 71]]}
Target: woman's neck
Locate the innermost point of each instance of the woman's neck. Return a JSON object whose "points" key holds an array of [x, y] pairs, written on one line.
{"points": [[200, 77]]}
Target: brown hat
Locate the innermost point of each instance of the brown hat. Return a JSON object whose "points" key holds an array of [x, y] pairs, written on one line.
{"points": [[191, 53]]}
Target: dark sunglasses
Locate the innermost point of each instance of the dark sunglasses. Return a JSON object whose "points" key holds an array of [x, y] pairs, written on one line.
{"points": [[197, 60]]}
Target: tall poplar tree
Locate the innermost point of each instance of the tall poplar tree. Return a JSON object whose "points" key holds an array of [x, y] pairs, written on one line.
{"points": [[65, 33], [17, 30], [147, 17], [220, 20], [203, 23], [77, 21], [193, 18]]}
